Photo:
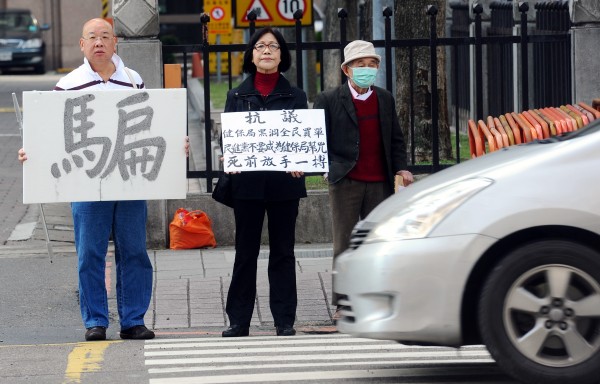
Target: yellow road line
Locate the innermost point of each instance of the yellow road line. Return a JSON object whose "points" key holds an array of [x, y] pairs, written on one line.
{"points": [[85, 358], [6, 110]]}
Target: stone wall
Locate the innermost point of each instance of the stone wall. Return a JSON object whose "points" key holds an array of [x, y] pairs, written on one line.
{"points": [[585, 16], [312, 226]]}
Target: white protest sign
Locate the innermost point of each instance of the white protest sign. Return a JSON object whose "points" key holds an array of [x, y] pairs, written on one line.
{"points": [[104, 145], [284, 140]]}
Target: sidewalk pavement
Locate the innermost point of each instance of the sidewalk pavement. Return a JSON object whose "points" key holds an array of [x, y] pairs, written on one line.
{"points": [[190, 286]]}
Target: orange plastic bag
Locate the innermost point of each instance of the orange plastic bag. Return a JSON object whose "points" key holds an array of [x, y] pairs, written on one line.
{"points": [[191, 230]]}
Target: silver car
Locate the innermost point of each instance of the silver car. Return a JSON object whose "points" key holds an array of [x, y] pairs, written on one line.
{"points": [[502, 250]]}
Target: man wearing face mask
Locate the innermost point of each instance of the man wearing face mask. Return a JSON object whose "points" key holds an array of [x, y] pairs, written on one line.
{"points": [[364, 141]]}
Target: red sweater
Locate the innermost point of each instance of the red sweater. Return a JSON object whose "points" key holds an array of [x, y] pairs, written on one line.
{"points": [[265, 83], [369, 166]]}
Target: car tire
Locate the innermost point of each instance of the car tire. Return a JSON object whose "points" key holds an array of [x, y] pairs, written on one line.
{"points": [[539, 313], [39, 69]]}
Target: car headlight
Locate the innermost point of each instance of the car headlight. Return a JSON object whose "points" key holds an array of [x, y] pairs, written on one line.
{"points": [[421, 215], [32, 43]]}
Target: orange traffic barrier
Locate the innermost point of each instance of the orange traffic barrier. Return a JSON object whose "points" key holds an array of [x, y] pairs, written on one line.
{"points": [[527, 133], [577, 112], [584, 111], [515, 128], [590, 109], [561, 124], [585, 116], [197, 68], [548, 120], [498, 132], [541, 122], [534, 132], [505, 131], [491, 140], [571, 123], [578, 120], [476, 145], [534, 123]]}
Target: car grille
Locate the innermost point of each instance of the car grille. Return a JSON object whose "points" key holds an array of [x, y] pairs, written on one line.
{"points": [[358, 236], [9, 43]]}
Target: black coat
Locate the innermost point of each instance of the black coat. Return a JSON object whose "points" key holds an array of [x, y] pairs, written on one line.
{"points": [[343, 133], [266, 185]]}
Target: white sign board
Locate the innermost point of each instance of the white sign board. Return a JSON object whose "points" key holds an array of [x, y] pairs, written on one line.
{"points": [[285, 140], [104, 145]]}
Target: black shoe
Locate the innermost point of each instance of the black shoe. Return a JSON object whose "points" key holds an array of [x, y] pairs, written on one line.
{"points": [[139, 332], [286, 330], [95, 334], [236, 331]]}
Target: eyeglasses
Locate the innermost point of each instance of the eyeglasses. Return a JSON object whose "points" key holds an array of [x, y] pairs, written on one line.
{"points": [[261, 47], [104, 38]]}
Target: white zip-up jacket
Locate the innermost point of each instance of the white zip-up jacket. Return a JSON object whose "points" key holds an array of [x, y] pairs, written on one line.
{"points": [[85, 77]]}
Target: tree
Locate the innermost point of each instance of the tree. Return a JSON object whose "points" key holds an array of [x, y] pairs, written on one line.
{"points": [[411, 22], [331, 32]]}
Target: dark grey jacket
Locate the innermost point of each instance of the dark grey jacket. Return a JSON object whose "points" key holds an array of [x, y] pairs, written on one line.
{"points": [[343, 133], [266, 185]]}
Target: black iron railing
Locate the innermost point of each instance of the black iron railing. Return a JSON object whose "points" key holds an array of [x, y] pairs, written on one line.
{"points": [[507, 64]]}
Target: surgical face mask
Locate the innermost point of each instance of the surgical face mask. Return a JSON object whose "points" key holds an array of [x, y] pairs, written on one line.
{"points": [[364, 77]]}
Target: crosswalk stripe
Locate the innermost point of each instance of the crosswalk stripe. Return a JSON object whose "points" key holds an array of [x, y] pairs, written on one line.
{"points": [[323, 348], [269, 358], [320, 358], [306, 375], [405, 363]]}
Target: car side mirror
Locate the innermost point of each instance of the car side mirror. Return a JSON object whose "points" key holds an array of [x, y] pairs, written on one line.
{"points": [[45, 27]]}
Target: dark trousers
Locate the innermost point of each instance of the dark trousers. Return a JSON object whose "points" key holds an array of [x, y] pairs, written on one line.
{"points": [[249, 217]]}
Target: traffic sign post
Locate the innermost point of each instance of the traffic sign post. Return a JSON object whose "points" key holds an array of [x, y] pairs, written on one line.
{"points": [[274, 13]]}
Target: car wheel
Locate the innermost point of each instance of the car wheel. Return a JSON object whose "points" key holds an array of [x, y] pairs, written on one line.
{"points": [[40, 69], [539, 313]]}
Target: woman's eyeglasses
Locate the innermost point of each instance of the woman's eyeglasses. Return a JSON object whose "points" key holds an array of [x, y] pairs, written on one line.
{"points": [[261, 47]]}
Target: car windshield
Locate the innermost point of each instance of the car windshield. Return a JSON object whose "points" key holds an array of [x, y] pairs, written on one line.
{"points": [[15, 21]]}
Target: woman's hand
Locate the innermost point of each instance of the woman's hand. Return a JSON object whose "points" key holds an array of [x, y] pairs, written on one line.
{"points": [[186, 146], [22, 155], [297, 173]]}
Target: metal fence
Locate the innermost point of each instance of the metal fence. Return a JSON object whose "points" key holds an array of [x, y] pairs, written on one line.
{"points": [[510, 50]]}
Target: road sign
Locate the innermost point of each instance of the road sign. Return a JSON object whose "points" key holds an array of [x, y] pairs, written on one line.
{"points": [[220, 16], [275, 13], [217, 13]]}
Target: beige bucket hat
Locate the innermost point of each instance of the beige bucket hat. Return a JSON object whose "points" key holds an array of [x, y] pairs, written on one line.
{"points": [[359, 49]]}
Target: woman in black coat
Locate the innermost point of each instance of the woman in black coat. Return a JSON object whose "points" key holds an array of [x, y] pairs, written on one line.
{"points": [[255, 193]]}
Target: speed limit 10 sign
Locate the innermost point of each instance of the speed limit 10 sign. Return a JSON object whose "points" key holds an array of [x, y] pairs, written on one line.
{"points": [[276, 13]]}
